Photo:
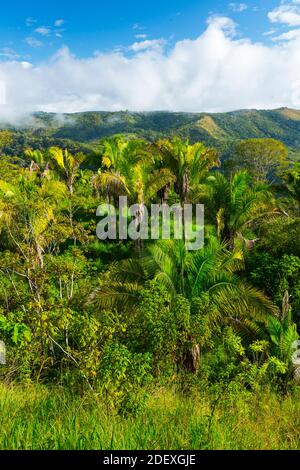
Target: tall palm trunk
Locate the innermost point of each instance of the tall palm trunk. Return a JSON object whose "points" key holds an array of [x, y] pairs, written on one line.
{"points": [[184, 197], [185, 186], [139, 217]]}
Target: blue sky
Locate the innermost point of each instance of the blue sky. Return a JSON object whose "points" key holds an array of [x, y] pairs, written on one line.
{"points": [[178, 55], [28, 31]]}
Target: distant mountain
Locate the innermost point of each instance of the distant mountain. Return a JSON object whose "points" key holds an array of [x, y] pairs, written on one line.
{"points": [[219, 130]]}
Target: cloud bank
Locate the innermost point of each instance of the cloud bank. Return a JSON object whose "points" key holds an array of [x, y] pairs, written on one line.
{"points": [[286, 13], [213, 73]]}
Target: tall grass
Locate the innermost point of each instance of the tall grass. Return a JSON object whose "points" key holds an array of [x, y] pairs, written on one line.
{"points": [[36, 417]]}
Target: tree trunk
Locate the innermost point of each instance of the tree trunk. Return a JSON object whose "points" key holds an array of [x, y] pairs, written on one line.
{"points": [[185, 186], [191, 361], [40, 258]]}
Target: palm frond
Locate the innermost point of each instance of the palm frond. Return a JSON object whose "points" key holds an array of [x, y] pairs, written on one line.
{"points": [[111, 183], [243, 301], [120, 295]]}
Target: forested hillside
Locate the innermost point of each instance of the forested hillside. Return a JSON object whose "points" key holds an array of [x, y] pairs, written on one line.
{"points": [[222, 130]]}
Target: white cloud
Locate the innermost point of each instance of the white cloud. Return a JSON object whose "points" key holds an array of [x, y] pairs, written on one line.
{"points": [[291, 35], [30, 21], [270, 32], [59, 23], [146, 45], [9, 53], [46, 32], [33, 42], [43, 31], [223, 23], [288, 14], [2, 94], [214, 72], [26, 65], [137, 26], [140, 36], [238, 7]]}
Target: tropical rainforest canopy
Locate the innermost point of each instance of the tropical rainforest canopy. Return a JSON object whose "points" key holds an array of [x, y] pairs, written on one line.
{"points": [[122, 318]]}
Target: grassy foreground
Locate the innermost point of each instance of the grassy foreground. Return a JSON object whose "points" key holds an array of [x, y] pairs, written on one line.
{"points": [[34, 417]]}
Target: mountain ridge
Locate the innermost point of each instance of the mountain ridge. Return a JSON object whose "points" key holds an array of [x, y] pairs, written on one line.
{"points": [[220, 130]]}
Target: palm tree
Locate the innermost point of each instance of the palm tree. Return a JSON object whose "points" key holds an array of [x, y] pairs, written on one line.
{"points": [[29, 222], [66, 165], [234, 205], [39, 162], [28, 211], [130, 170], [113, 151], [118, 159], [210, 271], [188, 163]]}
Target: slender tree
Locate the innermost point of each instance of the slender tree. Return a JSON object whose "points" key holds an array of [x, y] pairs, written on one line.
{"points": [[188, 163], [66, 165]]}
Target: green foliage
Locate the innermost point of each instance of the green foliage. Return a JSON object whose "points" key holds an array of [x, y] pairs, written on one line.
{"points": [[292, 180], [235, 205], [283, 334], [6, 139], [120, 319], [222, 363], [123, 375], [263, 158], [16, 333], [280, 235], [276, 275]]}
